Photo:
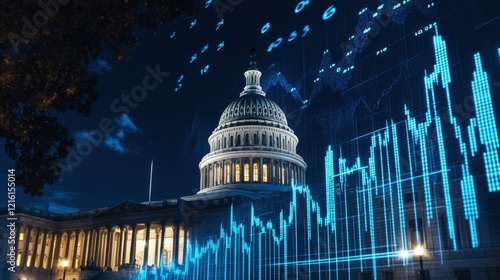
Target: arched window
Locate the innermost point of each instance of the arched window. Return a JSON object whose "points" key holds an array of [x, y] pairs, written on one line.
{"points": [[270, 141], [264, 173], [263, 139], [238, 140], [237, 172], [255, 139], [246, 172], [247, 139], [231, 143], [255, 172]]}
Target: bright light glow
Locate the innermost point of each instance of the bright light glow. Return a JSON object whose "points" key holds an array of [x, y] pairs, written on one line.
{"points": [[64, 263], [419, 251], [403, 254]]}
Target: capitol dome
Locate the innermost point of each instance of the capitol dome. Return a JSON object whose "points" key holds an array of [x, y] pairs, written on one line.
{"points": [[252, 107], [252, 150]]}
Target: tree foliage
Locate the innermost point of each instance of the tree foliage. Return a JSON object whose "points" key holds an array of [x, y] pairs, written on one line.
{"points": [[45, 48]]}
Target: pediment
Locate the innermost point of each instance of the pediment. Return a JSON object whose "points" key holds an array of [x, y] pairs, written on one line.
{"points": [[124, 208]]}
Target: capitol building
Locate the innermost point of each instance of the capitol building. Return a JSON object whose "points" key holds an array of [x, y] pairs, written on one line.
{"points": [[254, 217], [252, 155]]}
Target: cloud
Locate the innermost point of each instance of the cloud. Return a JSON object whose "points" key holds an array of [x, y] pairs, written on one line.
{"points": [[99, 66], [86, 135], [115, 144], [115, 140], [125, 123], [64, 196]]}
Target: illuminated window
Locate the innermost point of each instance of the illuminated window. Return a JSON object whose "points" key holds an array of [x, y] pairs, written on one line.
{"points": [[18, 261], [237, 172], [264, 173], [255, 172], [21, 236], [227, 174], [283, 176], [28, 262], [246, 172]]}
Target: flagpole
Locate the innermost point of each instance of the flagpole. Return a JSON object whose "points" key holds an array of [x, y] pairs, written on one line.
{"points": [[150, 181]]}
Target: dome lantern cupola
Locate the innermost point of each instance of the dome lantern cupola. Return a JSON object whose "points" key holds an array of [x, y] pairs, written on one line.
{"points": [[252, 150], [252, 76]]}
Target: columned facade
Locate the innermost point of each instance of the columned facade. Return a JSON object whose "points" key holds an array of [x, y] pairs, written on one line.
{"points": [[42, 245]]}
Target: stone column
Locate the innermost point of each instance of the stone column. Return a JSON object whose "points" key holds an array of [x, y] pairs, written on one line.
{"points": [[53, 247], [210, 175], [132, 244], [42, 252], [107, 255], [175, 250], [85, 248], [184, 248], [146, 246], [92, 240], [120, 247], [250, 170], [287, 175], [261, 173], [162, 244], [231, 171], [26, 247], [57, 252], [223, 173], [124, 253], [75, 250], [157, 245], [35, 249], [18, 241], [66, 251], [242, 167], [97, 247]]}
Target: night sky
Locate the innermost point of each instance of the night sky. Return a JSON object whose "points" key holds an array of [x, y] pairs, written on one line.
{"points": [[172, 126]]}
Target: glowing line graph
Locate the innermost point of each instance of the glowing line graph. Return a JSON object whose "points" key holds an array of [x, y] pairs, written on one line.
{"points": [[370, 235]]}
